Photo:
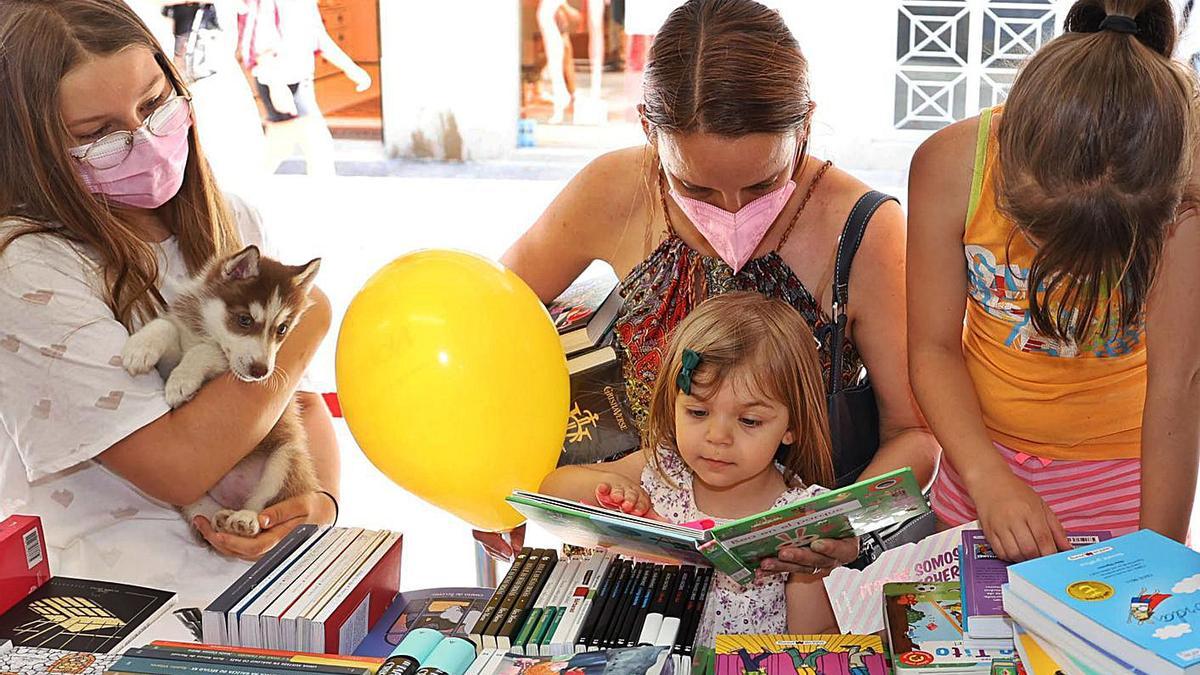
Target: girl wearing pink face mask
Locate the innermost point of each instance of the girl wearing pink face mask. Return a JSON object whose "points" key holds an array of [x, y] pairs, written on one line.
{"points": [[725, 196], [107, 207]]}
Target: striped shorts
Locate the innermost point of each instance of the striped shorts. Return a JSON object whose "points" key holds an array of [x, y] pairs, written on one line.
{"points": [[1085, 495]]}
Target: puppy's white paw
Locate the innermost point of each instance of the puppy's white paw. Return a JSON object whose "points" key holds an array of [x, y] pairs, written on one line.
{"points": [[243, 523], [140, 354], [182, 385]]}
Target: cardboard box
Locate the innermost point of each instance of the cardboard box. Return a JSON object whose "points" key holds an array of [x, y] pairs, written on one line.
{"points": [[24, 565]]}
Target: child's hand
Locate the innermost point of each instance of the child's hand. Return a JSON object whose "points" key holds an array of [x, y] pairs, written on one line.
{"points": [[619, 494], [1016, 521]]}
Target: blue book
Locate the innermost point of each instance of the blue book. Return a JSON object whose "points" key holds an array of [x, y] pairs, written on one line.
{"points": [[451, 611], [1136, 594]]}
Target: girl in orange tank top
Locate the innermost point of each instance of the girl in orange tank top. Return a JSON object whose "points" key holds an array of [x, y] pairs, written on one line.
{"points": [[1036, 290]]}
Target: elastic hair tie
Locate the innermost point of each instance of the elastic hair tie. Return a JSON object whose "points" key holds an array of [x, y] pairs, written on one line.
{"points": [[1119, 24]]}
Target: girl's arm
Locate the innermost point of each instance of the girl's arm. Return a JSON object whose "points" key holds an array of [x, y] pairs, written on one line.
{"points": [[1170, 428], [180, 456], [877, 306], [278, 520], [808, 608], [1016, 521], [334, 54], [587, 221], [583, 483]]}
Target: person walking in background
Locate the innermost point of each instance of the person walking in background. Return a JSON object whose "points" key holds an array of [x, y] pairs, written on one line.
{"points": [[279, 42]]}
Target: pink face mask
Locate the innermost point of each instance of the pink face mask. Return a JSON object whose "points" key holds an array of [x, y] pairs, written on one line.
{"points": [[151, 173], [735, 236]]}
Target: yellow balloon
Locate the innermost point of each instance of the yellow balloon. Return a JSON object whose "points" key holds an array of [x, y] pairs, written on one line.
{"points": [[453, 381]]}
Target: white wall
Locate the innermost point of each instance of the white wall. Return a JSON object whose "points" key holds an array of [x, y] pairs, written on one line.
{"points": [[451, 78]]}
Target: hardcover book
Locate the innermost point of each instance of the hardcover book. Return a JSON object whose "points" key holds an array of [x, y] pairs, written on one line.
{"points": [[83, 616]]}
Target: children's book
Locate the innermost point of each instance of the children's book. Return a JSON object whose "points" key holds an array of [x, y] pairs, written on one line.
{"points": [[82, 615], [1136, 595], [1033, 655], [982, 576], [800, 655], [735, 548], [924, 630], [451, 611], [854, 594]]}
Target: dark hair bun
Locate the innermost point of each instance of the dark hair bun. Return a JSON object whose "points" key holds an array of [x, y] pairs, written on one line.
{"points": [[1155, 21]]}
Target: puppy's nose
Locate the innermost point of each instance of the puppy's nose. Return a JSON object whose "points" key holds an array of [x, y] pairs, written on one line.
{"points": [[258, 370]]}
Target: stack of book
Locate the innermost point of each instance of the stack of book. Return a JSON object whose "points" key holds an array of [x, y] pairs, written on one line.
{"points": [[319, 590], [985, 623], [601, 425], [647, 660], [546, 606], [1118, 606], [160, 658]]}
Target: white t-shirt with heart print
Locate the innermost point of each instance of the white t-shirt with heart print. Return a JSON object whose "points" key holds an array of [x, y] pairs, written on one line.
{"points": [[64, 399]]}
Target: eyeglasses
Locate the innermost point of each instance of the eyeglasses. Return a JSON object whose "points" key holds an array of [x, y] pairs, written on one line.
{"points": [[112, 149]]}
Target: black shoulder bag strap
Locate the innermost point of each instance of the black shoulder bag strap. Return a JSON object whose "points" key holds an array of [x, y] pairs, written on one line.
{"points": [[853, 414]]}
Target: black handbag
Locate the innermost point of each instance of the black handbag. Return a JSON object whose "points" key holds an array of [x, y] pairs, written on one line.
{"points": [[853, 411]]}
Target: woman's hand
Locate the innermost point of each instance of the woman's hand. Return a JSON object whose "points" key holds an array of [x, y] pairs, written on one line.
{"points": [[276, 522], [815, 560], [502, 545], [1015, 520], [621, 494]]}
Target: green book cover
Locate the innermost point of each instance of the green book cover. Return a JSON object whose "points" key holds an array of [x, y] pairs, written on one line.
{"points": [[736, 547]]}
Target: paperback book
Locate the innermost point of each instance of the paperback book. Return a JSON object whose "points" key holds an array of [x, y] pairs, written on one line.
{"points": [[735, 548], [82, 615], [793, 654]]}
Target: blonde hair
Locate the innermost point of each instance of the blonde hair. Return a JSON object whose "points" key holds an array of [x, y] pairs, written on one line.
{"points": [[768, 340], [40, 42]]}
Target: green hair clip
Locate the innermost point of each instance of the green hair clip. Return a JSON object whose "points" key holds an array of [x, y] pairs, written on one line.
{"points": [[691, 360]]}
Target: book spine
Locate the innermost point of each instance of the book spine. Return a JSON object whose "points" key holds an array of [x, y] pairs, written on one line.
{"points": [[658, 606], [674, 614], [562, 634], [557, 600], [537, 612], [611, 606], [489, 610], [293, 631], [621, 627], [639, 620], [201, 656], [490, 636], [533, 587], [593, 607], [695, 613], [378, 587], [144, 666], [232, 618]]}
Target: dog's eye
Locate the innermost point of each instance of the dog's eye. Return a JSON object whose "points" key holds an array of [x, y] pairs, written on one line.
{"points": [[245, 320], [282, 329]]}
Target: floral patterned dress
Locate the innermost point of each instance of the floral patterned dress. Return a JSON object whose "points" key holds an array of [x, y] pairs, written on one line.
{"points": [[731, 609]]}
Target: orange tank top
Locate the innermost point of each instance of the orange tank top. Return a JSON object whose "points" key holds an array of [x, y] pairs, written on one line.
{"points": [[1039, 395]]}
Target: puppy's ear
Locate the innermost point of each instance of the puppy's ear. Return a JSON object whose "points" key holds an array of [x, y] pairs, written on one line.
{"points": [[243, 265], [306, 273]]}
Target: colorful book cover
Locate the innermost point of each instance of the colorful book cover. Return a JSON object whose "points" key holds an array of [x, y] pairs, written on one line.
{"points": [[1034, 658], [735, 548], [600, 426], [574, 307], [452, 611], [854, 510], [983, 573], [31, 660], [924, 629], [1136, 594], [800, 655], [628, 661], [82, 615], [854, 594]]}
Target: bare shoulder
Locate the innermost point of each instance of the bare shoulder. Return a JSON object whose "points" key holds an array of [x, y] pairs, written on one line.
{"points": [[944, 163]]}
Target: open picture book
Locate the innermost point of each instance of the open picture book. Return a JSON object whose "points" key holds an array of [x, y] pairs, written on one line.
{"points": [[734, 547]]}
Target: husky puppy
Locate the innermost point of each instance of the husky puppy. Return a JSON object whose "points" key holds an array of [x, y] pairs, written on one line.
{"points": [[233, 317]]}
